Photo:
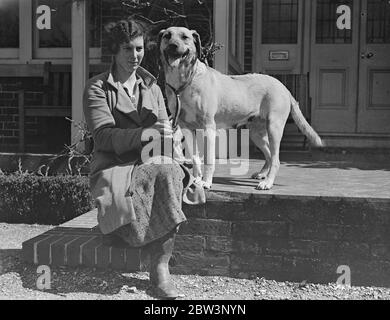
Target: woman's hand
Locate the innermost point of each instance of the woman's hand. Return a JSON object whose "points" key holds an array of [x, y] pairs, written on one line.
{"points": [[161, 129]]}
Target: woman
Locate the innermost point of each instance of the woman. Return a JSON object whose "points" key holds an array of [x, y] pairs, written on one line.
{"points": [[138, 201]]}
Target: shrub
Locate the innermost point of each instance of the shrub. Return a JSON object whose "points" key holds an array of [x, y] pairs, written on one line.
{"points": [[30, 198]]}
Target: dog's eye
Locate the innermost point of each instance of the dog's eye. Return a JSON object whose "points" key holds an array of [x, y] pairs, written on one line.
{"points": [[167, 36], [184, 37]]}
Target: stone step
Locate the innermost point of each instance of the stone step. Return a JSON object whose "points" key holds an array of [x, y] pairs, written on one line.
{"points": [[317, 218], [242, 235]]}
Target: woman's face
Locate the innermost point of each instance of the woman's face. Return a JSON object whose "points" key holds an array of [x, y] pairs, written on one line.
{"points": [[130, 54]]}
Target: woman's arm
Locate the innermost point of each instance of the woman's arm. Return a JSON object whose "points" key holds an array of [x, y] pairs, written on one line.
{"points": [[162, 111], [102, 124]]}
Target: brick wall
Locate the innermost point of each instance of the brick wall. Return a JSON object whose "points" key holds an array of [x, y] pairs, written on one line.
{"points": [[286, 238], [42, 134], [282, 238], [9, 118]]}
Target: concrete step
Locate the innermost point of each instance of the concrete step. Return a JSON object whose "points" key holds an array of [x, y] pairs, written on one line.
{"points": [[316, 219], [242, 235]]}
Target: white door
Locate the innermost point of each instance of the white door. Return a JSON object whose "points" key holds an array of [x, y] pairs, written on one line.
{"points": [[334, 67], [350, 68], [374, 77]]}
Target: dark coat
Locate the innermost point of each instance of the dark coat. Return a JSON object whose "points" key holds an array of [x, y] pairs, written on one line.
{"points": [[116, 127]]}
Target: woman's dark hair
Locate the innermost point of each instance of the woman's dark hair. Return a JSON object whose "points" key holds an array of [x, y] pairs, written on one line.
{"points": [[123, 31]]}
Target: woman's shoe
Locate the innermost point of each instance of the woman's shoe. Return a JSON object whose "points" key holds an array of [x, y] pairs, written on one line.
{"points": [[160, 254]]}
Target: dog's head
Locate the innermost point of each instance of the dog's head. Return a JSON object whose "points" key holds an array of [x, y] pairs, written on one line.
{"points": [[178, 45]]}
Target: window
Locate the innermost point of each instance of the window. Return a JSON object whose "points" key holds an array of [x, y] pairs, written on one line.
{"points": [[9, 24], [236, 36], [280, 21], [233, 28], [59, 35], [95, 23], [378, 21], [326, 22]]}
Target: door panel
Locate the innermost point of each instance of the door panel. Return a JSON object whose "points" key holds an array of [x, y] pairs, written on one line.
{"points": [[334, 72], [332, 89], [279, 36], [374, 89]]}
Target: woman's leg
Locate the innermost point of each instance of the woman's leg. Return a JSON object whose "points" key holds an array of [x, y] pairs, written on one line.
{"points": [[157, 195], [160, 253]]}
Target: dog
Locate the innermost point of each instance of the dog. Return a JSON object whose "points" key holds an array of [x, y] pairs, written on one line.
{"points": [[210, 100]]}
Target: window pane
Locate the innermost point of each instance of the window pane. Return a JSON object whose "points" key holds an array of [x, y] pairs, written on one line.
{"points": [[280, 21], [326, 26], [233, 26], [9, 24], [59, 36], [95, 23], [378, 21]]}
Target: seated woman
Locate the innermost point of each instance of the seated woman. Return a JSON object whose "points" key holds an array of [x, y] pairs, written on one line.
{"points": [[137, 200]]}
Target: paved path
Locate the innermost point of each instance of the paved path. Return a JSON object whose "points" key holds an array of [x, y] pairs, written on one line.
{"points": [[335, 179], [312, 178]]}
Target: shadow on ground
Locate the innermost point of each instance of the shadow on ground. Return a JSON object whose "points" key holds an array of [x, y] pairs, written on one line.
{"points": [[65, 280], [344, 165], [240, 182], [8, 257]]}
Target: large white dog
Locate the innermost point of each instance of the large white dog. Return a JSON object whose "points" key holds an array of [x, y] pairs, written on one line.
{"points": [[210, 100]]}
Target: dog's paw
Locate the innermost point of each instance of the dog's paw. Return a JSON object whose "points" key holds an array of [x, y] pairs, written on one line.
{"points": [[259, 175], [265, 185], [206, 185], [198, 180], [202, 183]]}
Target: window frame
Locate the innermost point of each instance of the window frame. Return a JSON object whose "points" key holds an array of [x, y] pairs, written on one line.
{"points": [[236, 36], [296, 36], [29, 51], [14, 53], [55, 53]]}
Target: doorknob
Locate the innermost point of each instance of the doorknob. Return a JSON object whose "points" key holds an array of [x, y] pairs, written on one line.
{"points": [[368, 55]]}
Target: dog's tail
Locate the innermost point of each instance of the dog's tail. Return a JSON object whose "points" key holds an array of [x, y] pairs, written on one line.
{"points": [[303, 125]]}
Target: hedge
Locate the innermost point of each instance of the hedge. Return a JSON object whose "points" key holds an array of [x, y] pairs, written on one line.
{"points": [[30, 198]]}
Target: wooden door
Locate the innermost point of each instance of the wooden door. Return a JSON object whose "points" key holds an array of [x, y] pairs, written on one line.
{"points": [[374, 77], [334, 67], [278, 39]]}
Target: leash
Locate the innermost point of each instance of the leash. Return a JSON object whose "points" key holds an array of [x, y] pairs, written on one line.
{"points": [[178, 93]]}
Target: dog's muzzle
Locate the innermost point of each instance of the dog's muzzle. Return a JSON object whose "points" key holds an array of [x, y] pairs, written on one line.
{"points": [[171, 54]]}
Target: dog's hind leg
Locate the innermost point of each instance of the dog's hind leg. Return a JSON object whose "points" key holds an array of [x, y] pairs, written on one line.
{"points": [[258, 134], [275, 127]]}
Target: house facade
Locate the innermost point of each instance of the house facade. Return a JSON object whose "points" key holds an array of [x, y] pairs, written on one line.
{"points": [[334, 55]]}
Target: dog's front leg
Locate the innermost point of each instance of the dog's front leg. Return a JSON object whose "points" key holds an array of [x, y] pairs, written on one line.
{"points": [[178, 143], [197, 168], [192, 153], [209, 156]]}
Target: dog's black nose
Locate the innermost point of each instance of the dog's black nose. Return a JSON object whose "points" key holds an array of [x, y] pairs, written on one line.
{"points": [[172, 46]]}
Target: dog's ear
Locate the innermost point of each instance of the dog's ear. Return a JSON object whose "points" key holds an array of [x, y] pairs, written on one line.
{"points": [[160, 35], [198, 43]]}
